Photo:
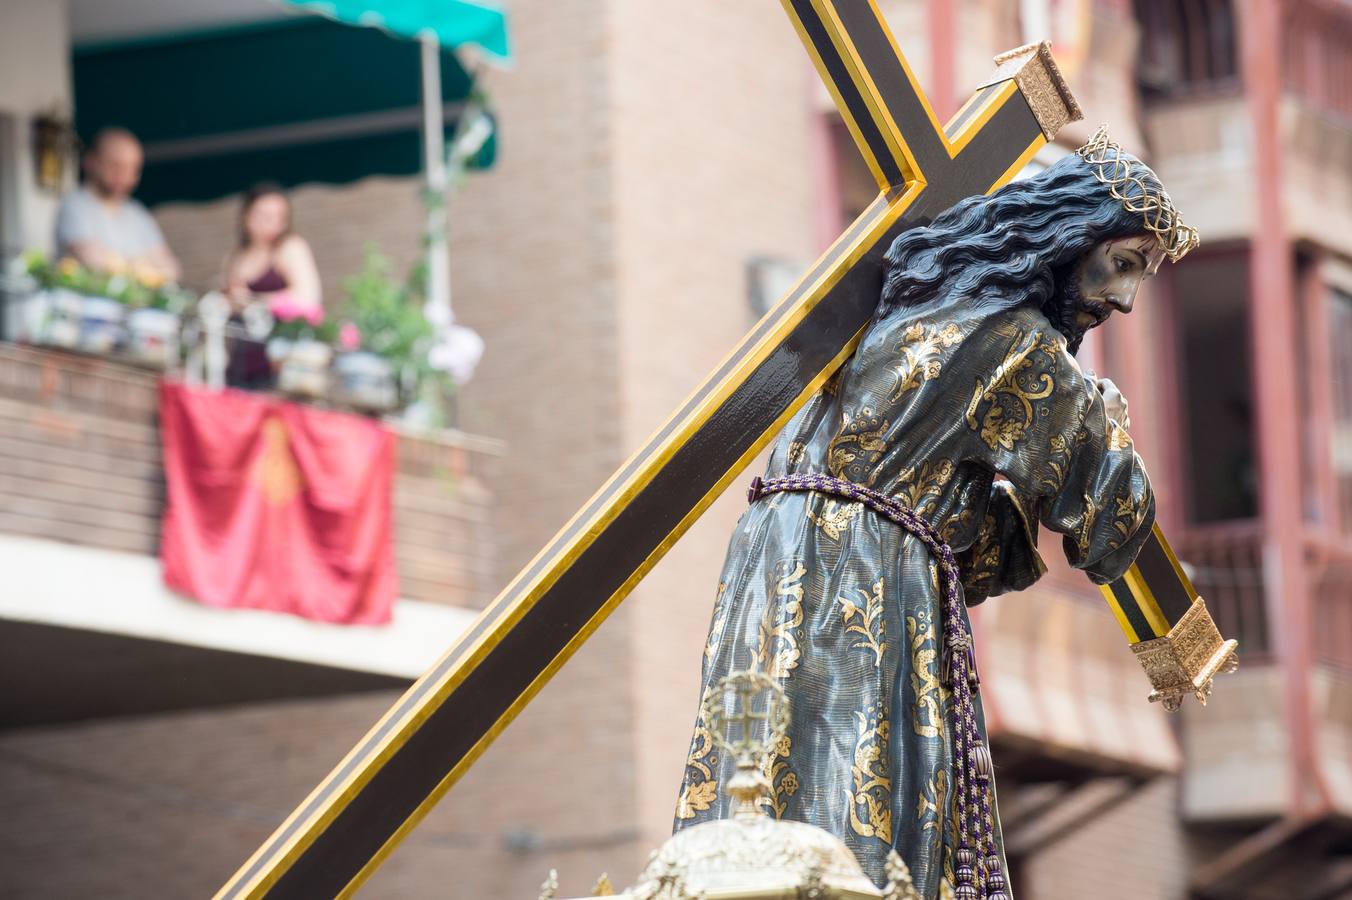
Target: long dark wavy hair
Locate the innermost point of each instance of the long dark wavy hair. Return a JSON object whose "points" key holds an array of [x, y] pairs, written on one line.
{"points": [[1007, 249]]}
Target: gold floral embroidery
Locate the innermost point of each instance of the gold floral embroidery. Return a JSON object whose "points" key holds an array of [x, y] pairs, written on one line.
{"points": [[852, 453], [1085, 532], [981, 562], [796, 453], [871, 801], [1010, 413], [870, 624], [783, 780], [720, 622], [1127, 519], [700, 789], [834, 517], [1058, 465], [921, 355], [778, 651], [1118, 439], [921, 487], [932, 809], [696, 797], [953, 524], [926, 717]]}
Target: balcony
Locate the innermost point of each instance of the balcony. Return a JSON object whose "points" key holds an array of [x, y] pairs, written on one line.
{"points": [[1237, 785], [90, 629], [1201, 145]]}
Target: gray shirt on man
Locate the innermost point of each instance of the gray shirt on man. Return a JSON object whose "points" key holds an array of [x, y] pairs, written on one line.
{"points": [[127, 230]]}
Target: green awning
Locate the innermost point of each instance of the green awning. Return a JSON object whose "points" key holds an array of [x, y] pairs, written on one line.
{"points": [[297, 101], [454, 22]]}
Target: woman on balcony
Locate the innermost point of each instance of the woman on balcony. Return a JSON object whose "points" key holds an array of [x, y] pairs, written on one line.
{"points": [[272, 266]]}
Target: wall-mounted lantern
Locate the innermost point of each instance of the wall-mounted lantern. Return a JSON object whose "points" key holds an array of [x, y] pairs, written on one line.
{"points": [[54, 146]]}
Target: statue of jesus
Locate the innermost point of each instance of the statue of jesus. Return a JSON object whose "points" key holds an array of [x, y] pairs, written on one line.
{"points": [[912, 486]]}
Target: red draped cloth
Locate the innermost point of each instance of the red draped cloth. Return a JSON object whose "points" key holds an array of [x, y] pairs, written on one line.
{"points": [[277, 506]]}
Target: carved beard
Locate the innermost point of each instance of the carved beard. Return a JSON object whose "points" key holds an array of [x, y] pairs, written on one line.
{"points": [[1061, 308]]}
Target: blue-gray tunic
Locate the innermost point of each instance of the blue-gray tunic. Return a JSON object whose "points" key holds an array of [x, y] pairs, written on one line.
{"points": [[986, 426]]}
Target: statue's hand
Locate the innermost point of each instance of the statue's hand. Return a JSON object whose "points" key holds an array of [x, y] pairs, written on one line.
{"points": [[1115, 405]]}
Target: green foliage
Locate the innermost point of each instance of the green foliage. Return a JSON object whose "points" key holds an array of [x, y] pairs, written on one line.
{"points": [[301, 329], [388, 312], [137, 291]]}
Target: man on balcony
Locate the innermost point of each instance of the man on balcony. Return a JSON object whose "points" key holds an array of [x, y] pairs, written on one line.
{"points": [[102, 226]]}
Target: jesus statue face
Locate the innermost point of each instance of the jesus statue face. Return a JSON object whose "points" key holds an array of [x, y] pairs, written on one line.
{"points": [[1103, 281], [1108, 276]]}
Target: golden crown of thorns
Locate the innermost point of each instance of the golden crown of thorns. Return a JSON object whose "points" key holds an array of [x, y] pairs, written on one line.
{"points": [[1127, 181]]}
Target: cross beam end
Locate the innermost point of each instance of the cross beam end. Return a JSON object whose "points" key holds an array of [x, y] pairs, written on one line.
{"points": [[1033, 68]]}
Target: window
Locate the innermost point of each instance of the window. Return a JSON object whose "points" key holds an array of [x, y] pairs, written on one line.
{"points": [[1340, 333], [1218, 428], [1318, 57], [1185, 45]]}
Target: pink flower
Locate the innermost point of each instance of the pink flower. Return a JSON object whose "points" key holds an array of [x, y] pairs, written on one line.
{"points": [[349, 336], [284, 308]]}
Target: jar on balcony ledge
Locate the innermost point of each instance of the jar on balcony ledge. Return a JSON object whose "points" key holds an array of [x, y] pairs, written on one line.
{"points": [[365, 381], [302, 366]]}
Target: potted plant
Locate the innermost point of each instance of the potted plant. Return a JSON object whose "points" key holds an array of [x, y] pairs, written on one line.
{"points": [[100, 311], [53, 314], [365, 380], [299, 349], [383, 339], [152, 336]]}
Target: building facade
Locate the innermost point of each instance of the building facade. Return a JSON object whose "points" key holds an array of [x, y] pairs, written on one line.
{"points": [[660, 173]]}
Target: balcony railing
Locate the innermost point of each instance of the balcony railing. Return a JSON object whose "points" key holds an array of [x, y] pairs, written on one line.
{"points": [[1227, 568], [80, 463], [1226, 562], [1331, 601]]}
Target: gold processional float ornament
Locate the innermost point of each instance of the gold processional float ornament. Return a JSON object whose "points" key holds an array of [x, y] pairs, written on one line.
{"points": [[751, 855]]}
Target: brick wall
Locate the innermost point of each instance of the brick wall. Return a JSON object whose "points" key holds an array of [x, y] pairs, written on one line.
{"points": [[169, 806], [79, 451], [712, 169], [533, 261], [445, 519]]}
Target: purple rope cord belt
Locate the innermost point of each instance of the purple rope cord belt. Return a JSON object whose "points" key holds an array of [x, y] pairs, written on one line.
{"points": [[977, 859]]}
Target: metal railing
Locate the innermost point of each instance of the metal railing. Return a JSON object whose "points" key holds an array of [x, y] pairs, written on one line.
{"points": [[1226, 563], [196, 345], [1330, 565]]}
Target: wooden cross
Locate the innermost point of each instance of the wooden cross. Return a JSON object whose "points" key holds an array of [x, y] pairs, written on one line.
{"points": [[426, 741]]}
